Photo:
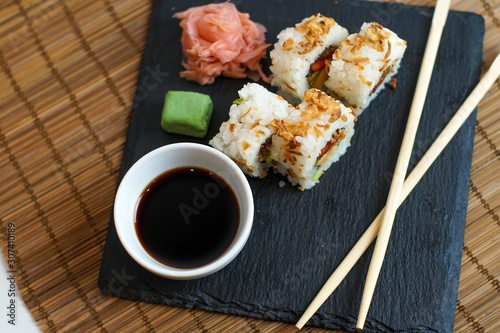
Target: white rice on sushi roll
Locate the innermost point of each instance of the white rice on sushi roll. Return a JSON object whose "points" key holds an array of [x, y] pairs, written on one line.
{"points": [[246, 136], [363, 64], [314, 135], [298, 48]]}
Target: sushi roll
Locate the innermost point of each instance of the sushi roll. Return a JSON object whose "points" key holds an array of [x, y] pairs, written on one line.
{"points": [[314, 135], [298, 48], [363, 64], [246, 136]]}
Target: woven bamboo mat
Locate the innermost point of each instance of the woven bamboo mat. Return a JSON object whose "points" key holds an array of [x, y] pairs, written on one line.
{"points": [[67, 79]]}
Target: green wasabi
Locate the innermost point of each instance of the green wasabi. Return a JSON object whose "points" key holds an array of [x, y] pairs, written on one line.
{"points": [[187, 113]]}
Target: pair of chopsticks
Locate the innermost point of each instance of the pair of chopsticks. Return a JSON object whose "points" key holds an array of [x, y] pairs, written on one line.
{"points": [[401, 188]]}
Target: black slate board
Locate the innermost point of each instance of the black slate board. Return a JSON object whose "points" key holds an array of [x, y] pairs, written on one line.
{"points": [[299, 238]]}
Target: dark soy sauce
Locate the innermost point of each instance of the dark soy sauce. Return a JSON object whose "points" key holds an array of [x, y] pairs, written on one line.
{"points": [[187, 217]]}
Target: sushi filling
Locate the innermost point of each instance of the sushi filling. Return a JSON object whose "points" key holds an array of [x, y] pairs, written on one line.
{"points": [[382, 78], [265, 151], [330, 147], [318, 73]]}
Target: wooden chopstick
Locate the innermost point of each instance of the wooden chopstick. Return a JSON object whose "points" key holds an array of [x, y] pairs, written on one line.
{"points": [[411, 181], [438, 22]]}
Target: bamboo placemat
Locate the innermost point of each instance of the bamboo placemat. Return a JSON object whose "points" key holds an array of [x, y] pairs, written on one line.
{"points": [[67, 82]]}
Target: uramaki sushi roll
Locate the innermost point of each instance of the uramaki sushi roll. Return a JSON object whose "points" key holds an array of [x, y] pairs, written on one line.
{"points": [[363, 64], [246, 135], [313, 136], [298, 48]]}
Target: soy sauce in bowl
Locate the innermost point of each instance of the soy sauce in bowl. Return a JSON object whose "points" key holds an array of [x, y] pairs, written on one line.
{"points": [[187, 217]]}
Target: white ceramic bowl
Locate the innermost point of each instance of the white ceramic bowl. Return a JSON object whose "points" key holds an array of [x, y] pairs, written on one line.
{"points": [[157, 162]]}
